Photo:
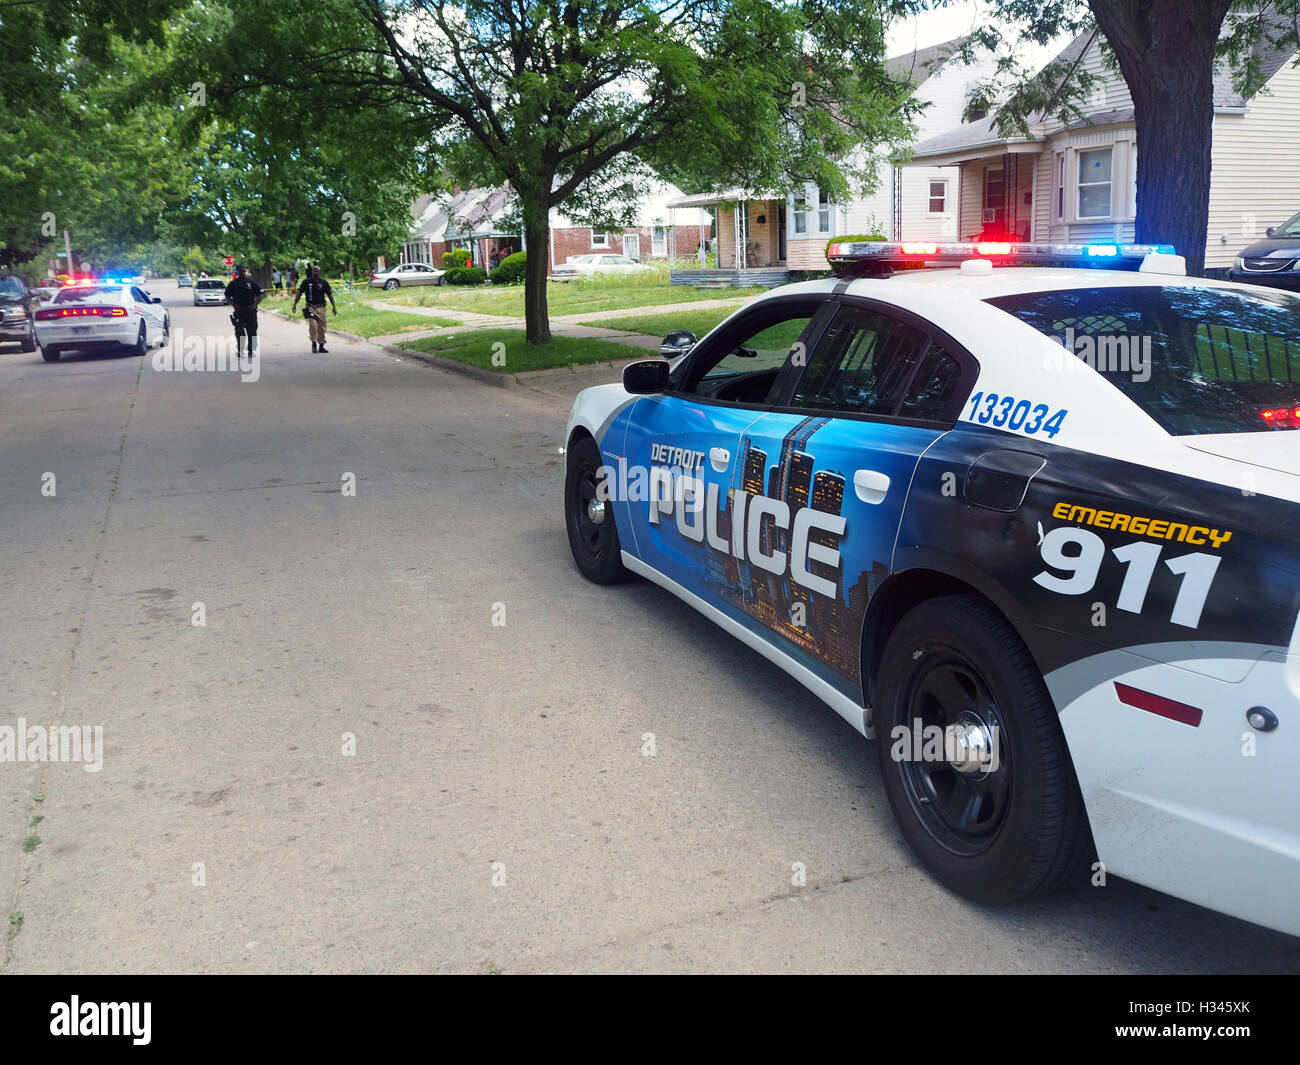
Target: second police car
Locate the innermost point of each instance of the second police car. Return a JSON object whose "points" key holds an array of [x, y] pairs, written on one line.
{"points": [[96, 315], [1036, 529]]}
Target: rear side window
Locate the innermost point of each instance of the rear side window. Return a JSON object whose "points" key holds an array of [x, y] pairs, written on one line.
{"points": [[869, 363], [1198, 360]]}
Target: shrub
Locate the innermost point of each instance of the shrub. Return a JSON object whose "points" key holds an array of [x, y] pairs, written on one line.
{"points": [[510, 271], [461, 257], [465, 275], [447, 260]]}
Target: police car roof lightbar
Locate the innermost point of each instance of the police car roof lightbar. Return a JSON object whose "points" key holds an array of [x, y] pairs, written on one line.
{"points": [[881, 257]]}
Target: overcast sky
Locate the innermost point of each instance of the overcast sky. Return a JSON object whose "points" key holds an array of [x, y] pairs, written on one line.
{"points": [[935, 27]]}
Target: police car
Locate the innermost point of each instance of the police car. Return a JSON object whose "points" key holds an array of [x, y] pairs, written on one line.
{"points": [[1034, 528], [99, 314]]}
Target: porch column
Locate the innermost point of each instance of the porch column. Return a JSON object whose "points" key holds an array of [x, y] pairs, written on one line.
{"points": [[672, 239]]}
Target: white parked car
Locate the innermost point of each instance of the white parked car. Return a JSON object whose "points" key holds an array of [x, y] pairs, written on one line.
{"points": [[407, 274], [596, 263], [97, 316]]}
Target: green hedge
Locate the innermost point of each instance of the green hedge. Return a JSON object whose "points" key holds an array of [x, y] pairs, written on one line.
{"points": [[465, 275], [510, 271]]}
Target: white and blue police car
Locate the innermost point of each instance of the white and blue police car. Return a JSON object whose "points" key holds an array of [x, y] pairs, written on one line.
{"points": [[1034, 529]]}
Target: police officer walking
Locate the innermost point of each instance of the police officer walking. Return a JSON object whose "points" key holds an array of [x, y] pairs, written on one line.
{"points": [[244, 294], [316, 290]]}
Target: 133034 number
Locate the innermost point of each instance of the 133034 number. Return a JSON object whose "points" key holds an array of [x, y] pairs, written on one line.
{"points": [[1018, 415]]}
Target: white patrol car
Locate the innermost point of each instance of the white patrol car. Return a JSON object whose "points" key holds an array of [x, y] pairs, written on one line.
{"points": [[1037, 529], [99, 315]]}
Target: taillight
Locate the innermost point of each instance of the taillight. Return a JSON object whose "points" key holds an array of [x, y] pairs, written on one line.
{"points": [[1281, 417], [81, 312]]}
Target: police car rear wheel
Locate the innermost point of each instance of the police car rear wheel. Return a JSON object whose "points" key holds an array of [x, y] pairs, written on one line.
{"points": [[593, 537], [50, 354], [972, 755], [141, 342]]}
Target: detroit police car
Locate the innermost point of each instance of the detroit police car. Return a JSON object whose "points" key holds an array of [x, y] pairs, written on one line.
{"points": [[101, 314], [1033, 528]]}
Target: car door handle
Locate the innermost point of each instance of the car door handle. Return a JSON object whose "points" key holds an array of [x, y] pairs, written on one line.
{"points": [[871, 485], [720, 459]]}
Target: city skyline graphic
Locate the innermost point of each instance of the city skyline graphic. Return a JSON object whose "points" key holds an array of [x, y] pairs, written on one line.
{"points": [[831, 628]]}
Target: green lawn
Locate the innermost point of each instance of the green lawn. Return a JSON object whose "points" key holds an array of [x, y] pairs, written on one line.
{"points": [[562, 297], [477, 348], [357, 316], [659, 325]]}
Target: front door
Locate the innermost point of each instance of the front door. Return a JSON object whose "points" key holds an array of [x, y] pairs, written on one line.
{"points": [[780, 234], [632, 245]]}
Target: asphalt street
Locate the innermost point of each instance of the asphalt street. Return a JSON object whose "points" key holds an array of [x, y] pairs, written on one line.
{"points": [[408, 736]]}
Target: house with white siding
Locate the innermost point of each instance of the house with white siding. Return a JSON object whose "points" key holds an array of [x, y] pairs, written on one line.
{"points": [[780, 234], [1078, 182]]}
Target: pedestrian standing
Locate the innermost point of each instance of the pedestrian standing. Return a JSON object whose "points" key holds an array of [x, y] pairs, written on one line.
{"points": [[275, 279], [315, 290], [244, 294]]}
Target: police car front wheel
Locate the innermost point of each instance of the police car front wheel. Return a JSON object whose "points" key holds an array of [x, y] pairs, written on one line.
{"points": [[972, 755], [588, 516]]}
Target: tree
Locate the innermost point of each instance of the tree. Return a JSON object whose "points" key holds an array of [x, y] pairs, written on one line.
{"points": [[568, 99], [1168, 52]]}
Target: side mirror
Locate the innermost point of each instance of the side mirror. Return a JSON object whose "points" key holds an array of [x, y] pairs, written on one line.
{"points": [[646, 378], [678, 342], [156, 299], [1268, 232]]}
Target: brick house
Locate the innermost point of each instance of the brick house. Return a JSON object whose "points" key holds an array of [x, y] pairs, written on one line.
{"points": [[481, 220]]}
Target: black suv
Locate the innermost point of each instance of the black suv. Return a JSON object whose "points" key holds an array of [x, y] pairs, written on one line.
{"points": [[16, 312]]}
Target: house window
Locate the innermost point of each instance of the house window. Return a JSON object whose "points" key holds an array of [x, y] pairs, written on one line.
{"points": [[1094, 183], [939, 196], [599, 240], [800, 213], [1060, 186], [994, 189], [823, 214], [659, 240]]}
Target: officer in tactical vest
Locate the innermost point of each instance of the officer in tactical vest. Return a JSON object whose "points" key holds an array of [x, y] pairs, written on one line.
{"points": [[244, 294], [315, 290]]}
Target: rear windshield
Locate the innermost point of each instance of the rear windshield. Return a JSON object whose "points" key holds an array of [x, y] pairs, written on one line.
{"points": [[88, 293], [1198, 360], [210, 284]]}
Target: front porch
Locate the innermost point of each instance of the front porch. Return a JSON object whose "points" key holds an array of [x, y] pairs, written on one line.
{"points": [[750, 246]]}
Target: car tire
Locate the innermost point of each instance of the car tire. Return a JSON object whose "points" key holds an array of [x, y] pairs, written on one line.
{"points": [[992, 832], [593, 534], [50, 353], [167, 331], [141, 342], [391, 284]]}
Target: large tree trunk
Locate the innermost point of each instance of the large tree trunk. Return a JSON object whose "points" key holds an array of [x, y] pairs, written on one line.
{"points": [[1165, 50], [537, 234]]}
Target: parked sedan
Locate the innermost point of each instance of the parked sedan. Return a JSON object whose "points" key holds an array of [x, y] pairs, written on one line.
{"points": [[407, 274], [101, 316], [582, 265], [1275, 260]]}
